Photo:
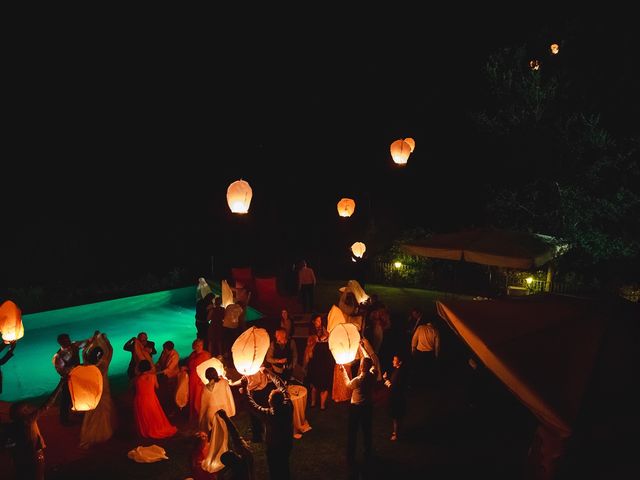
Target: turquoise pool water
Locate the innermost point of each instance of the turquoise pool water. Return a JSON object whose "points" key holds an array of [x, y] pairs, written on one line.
{"points": [[167, 315]]}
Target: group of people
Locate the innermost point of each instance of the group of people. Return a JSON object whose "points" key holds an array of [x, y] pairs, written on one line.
{"points": [[211, 404]]}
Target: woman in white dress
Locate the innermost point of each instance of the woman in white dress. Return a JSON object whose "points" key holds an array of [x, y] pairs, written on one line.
{"points": [[98, 424], [216, 395]]}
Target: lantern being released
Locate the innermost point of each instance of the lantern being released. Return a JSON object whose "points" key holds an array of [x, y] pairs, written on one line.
{"points": [[239, 196], [11, 322], [358, 249], [400, 151], [346, 207], [344, 341], [212, 362], [249, 350], [85, 387]]}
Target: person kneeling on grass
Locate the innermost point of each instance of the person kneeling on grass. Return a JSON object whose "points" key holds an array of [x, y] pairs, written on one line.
{"points": [[24, 439]]}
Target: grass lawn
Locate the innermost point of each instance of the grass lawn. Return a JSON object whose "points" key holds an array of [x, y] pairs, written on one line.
{"points": [[443, 436]]}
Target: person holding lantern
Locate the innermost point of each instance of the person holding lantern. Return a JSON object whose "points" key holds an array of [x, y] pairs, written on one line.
{"points": [[197, 356], [168, 369], [319, 363], [282, 355], [360, 408], [7, 357], [278, 420], [24, 439], [98, 424], [137, 347], [216, 395], [151, 421], [67, 357]]}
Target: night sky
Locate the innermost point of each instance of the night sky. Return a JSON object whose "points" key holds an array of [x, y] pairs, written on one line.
{"points": [[122, 141]]}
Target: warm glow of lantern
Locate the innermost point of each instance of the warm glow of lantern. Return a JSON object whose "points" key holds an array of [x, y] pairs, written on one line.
{"points": [[358, 249], [411, 142], [358, 291], [11, 325], [529, 280], [397, 264], [239, 196], [227, 294], [344, 340], [555, 48], [85, 386], [534, 64], [346, 207], [400, 151], [249, 350], [212, 362]]}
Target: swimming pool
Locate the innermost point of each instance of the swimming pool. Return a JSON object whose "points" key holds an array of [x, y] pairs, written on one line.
{"points": [[166, 315]]}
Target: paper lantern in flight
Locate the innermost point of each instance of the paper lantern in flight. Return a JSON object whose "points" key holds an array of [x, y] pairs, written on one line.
{"points": [[555, 48], [212, 362], [358, 249], [85, 387], [344, 340], [400, 151], [11, 322], [346, 207], [411, 142], [534, 65], [239, 196], [249, 350]]}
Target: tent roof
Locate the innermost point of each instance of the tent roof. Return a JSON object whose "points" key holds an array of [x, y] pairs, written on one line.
{"points": [[542, 347], [502, 248]]}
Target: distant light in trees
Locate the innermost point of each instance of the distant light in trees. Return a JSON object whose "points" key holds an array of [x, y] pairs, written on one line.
{"points": [[397, 264], [346, 207], [239, 196]]}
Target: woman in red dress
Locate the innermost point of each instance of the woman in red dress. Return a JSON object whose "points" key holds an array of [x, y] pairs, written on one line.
{"points": [[196, 357], [151, 422]]}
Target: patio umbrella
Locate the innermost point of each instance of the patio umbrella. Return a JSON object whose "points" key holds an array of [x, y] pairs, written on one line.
{"points": [[492, 247], [567, 359], [502, 248]]}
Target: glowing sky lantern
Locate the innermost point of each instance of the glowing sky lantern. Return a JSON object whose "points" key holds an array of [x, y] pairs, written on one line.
{"points": [[346, 207], [344, 340], [400, 151], [249, 350], [555, 48], [534, 65], [212, 362], [239, 196], [411, 142], [11, 325], [85, 386], [358, 249]]}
